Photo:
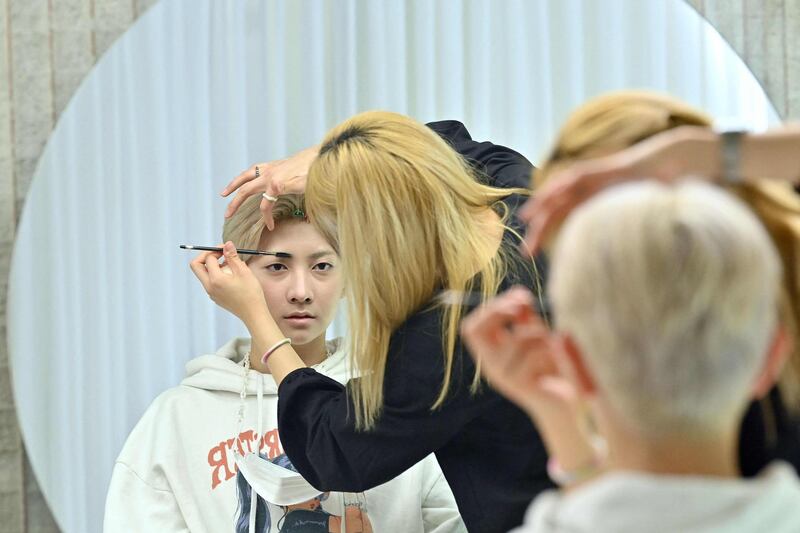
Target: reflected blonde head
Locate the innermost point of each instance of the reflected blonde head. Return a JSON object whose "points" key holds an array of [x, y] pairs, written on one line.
{"points": [[615, 121]]}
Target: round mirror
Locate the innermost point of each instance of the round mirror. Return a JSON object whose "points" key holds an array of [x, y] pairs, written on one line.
{"points": [[103, 310]]}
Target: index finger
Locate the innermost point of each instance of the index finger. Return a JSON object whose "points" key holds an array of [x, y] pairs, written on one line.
{"points": [[202, 256], [198, 266], [241, 179], [245, 176], [212, 265]]}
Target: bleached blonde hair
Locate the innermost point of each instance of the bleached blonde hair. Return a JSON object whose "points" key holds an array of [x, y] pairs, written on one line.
{"points": [[245, 226], [404, 211], [617, 120], [671, 295]]}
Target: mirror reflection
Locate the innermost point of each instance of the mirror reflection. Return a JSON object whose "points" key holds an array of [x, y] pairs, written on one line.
{"points": [[104, 313]]}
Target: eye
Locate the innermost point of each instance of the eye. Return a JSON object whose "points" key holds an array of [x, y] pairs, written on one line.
{"points": [[323, 267], [275, 267]]}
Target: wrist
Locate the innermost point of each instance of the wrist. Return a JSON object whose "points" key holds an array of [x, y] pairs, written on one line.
{"points": [[697, 152], [730, 151], [269, 351], [568, 475], [257, 318], [562, 433]]}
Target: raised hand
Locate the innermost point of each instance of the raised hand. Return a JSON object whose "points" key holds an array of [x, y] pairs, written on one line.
{"points": [[271, 179], [231, 286]]}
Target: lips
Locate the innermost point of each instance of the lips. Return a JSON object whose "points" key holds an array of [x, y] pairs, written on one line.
{"points": [[300, 315], [299, 319]]}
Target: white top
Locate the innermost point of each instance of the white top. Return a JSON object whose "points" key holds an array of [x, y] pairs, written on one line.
{"points": [[631, 502], [177, 471]]}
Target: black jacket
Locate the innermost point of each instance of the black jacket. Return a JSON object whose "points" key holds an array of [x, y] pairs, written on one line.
{"points": [[489, 451]]}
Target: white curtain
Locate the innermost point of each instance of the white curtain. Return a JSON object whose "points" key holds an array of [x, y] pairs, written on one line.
{"points": [[103, 310]]}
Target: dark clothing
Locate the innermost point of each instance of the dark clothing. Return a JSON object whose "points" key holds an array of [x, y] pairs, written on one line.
{"points": [[768, 432], [489, 451], [306, 521]]}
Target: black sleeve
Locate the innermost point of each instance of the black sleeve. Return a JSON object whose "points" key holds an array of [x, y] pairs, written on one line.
{"points": [[768, 432], [502, 167], [316, 416]]}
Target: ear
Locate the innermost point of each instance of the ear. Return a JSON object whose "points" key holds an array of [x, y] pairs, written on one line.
{"points": [[778, 352], [576, 369]]}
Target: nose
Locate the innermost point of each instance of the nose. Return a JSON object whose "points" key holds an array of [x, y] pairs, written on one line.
{"points": [[300, 289]]}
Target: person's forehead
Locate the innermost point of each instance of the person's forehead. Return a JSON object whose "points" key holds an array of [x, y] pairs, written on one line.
{"points": [[296, 237]]}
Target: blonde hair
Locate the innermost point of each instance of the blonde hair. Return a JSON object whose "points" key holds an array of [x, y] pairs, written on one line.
{"points": [[403, 208], [670, 293], [245, 227], [615, 121]]}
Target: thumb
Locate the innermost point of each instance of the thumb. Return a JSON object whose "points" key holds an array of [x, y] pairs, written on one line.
{"points": [[232, 257]]}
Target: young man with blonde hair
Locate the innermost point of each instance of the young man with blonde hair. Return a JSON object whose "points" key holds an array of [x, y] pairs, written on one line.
{"points": [[178, 469]]}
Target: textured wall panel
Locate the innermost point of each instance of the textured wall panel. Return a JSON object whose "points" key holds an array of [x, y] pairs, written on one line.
{"points": [[791, 28]]}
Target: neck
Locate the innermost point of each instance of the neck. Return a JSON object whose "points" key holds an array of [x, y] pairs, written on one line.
{"points": [[312, 353], [713, 454]]}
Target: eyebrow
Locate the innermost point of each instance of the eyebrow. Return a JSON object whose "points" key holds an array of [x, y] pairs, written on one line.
{"points": [[320, 254], [312, 257]]}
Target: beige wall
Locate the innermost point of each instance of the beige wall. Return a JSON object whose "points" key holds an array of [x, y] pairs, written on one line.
{"points": [[766, 33], [48, 46]]}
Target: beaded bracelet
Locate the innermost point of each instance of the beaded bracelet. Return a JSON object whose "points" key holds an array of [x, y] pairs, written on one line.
{"points": [[274, 347]]}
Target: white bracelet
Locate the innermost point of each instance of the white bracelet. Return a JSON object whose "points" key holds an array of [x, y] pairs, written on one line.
{"points": [[274, 347]]}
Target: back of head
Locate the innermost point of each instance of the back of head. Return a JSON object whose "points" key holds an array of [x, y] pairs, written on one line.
{"points": [[617, 120], [400, 205], [670, 293]]}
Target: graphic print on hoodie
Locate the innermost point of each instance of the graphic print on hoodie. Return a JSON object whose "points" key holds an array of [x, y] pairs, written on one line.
{"points": [[177, 470], [317, 514]]}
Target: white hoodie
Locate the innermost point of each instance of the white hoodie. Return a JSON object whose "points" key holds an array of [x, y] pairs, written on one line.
{"points": [[629, 502], [176, 471]]}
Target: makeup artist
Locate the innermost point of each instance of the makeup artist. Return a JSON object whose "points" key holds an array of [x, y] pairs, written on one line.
{"points": [[413, 211]]}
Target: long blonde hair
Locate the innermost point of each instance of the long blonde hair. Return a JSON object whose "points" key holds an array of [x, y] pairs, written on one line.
{"points": [[618, 120], [403, 209]]}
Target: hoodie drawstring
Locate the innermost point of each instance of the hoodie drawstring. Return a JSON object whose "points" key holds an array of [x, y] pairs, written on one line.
{"points": [[260, 429]]}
